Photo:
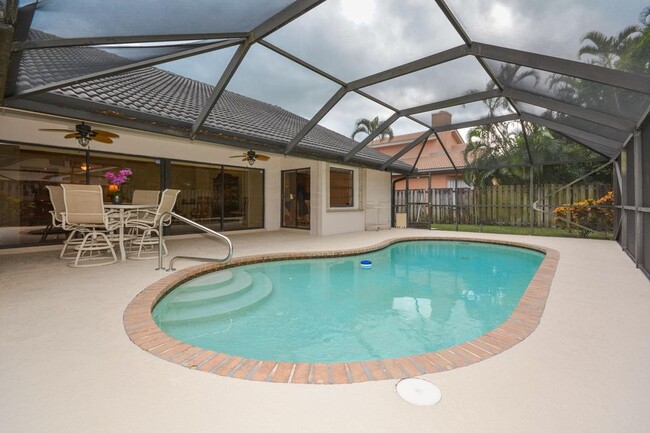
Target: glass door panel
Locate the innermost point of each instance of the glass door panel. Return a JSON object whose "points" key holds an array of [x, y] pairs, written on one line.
{"points": [[296, 203]]}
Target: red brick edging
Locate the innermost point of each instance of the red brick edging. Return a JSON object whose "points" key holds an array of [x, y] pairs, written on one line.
{"points": [[144, 332]]}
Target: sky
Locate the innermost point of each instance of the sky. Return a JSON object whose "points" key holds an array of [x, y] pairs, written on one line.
{"points": [[350, 39]]}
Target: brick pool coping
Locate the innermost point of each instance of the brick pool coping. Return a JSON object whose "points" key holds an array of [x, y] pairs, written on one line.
{"points": [[143, 331]]}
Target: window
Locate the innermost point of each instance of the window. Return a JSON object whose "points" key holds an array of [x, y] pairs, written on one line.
{"points": [[341, 187], [459, 183]]}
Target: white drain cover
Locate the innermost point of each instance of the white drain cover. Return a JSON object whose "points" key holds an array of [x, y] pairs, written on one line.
{"points": [[418, 391]]}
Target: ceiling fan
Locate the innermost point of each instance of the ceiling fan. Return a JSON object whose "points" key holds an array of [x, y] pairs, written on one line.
{"points": [[84, 135], [251, 156]]}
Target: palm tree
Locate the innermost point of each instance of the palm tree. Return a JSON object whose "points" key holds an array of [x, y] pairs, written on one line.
{"points": [[637, 57], [495, 145], [607, 50], [610, 52], [366, 126]]}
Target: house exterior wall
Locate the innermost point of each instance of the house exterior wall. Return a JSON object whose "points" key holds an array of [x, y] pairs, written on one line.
{"points": [[371, 188], [24, 128]]}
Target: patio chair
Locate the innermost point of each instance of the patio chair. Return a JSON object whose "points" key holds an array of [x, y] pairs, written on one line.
{"points": [[84, 212], [145, 196], [147, 223], [58, 208], [141, 196]]}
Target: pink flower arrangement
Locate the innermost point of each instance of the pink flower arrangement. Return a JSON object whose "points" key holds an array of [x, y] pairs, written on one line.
{"points": [[118, 179]]}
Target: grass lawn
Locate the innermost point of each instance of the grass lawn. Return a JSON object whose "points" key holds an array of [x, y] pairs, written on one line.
{"points": [[512, 230]]}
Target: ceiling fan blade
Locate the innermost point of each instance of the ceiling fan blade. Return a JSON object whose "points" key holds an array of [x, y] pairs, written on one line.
{"points": [[245, 158], [262, 157], [101, 138], [72, 135], [105, 133], [55, 129], [238, 156]]}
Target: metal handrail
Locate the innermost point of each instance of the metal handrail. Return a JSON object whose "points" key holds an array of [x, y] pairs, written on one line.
{"points": [[194, 224]]}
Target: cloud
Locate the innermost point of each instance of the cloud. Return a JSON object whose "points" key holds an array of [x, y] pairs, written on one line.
{"points": [[350, 39]]}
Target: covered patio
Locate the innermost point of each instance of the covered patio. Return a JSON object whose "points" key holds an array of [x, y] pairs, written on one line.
{"points": [[68, 364]]}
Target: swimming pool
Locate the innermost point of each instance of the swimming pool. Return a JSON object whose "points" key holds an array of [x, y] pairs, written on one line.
{"points": [[418, 297]]}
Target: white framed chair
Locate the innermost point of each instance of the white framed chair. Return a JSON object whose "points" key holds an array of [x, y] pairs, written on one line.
{"points": [[145, 196], [147, 222], [84, 212], [141, 197], [73, 237]]}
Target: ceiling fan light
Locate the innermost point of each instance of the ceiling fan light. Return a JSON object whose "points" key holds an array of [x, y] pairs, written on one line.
{"points": [[251, 161], [84, 141]]}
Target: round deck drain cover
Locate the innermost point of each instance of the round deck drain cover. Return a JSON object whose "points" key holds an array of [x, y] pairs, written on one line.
{"points": [[418, 391]]}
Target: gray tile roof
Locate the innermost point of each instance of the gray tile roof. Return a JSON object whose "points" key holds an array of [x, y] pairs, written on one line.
{"points": [[168, 96]]}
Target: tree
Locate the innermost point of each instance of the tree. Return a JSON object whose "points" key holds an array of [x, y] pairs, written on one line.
{"points": [[492, 147], [637, 56], [366, 126], [500, 153], [496, 150], [607, 50], [628, 50]]}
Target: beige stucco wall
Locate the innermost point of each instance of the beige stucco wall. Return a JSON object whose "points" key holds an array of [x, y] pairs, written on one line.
{"points": [[16, 126]]}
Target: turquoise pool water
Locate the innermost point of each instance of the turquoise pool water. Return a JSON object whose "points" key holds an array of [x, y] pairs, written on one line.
{"points": [[418, 297]]}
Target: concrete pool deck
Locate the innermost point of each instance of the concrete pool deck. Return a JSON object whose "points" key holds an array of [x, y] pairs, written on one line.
{"points": [[67, 364]]}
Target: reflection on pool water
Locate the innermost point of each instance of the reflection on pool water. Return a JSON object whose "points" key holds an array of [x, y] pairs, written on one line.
{"points": [[418, 297]]}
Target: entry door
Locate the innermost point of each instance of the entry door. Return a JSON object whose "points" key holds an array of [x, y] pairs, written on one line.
{"points": [[296, 203]]}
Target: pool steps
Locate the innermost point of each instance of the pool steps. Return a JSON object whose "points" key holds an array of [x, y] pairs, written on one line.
{"points": [[226, 296], [211, 279], [216, 288]]}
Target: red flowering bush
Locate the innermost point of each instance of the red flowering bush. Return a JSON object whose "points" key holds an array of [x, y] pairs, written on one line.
{"points": [[593, 215]]}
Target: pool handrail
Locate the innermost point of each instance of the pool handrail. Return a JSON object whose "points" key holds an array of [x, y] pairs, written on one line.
{"points": [[163, 220]]}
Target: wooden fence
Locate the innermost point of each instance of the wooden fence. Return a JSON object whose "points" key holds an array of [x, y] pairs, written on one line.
{"points": [[495, 205]]}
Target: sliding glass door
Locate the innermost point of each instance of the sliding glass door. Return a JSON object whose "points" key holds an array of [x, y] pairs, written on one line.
{"points": [[220, 197]]}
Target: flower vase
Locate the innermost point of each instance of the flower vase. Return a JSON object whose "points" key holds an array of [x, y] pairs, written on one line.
{"points": [[117, 197]]}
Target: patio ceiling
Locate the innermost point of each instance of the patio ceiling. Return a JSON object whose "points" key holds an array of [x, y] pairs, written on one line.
{"points": [[292, 77]]}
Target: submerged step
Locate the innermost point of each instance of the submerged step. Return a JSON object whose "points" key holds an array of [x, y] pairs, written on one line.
{"points": [[209, 281], [260, 289], [238, 282]]}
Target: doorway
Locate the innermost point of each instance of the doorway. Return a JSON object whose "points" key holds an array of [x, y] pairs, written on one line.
{"points": [[296, 203]]}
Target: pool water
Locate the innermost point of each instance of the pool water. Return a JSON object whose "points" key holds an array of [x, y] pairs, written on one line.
{"points": [[418, 297]]}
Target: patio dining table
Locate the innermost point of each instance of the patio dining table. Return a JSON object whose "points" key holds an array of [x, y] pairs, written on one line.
{"points": [[123, 209]]}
